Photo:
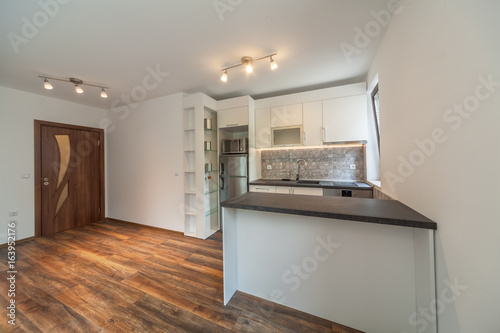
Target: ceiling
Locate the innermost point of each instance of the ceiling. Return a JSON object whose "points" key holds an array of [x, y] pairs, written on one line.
{"points": [[119, 43]]}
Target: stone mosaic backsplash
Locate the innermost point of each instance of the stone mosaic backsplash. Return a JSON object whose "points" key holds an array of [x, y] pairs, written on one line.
{"points": [[331, 163]]}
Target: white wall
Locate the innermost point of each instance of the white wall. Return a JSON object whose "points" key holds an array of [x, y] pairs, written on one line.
{"points": [[429, 61], [144, 151], [18, 110]]}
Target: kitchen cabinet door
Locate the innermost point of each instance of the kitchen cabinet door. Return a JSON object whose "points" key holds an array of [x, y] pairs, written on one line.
{"points": [[307, 191], [286, 115], [284, 189], [263, 128], [263, 188], [313, 123], [233, 117], [345, 119]]}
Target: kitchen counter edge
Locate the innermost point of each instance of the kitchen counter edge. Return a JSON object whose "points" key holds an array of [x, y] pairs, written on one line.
{"points": [[322, 184], [388, 212]]}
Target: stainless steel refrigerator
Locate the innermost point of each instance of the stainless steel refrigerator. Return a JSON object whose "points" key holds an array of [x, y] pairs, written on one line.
{"points": [[233, 175]]}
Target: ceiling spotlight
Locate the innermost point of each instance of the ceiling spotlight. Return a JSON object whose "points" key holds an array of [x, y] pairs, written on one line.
{"points": [[224, 76], [47, 85], [103, 93], [274, 65], [77, 83], [247, 63]]}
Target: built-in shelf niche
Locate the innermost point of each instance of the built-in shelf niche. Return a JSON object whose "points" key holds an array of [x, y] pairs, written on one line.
{"points": [[201, 199]]}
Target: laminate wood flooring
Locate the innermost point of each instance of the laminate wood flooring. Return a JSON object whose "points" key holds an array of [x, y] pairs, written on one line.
{"points": [[119, 277]]}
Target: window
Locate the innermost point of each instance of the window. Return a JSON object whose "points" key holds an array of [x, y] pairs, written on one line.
{"points": [[376, 113]]}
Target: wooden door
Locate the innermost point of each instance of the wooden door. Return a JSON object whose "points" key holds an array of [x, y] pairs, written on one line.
{"points": [[71, 167]]}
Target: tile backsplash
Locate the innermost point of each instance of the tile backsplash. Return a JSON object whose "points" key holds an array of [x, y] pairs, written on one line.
{"points": [[321, 163]]}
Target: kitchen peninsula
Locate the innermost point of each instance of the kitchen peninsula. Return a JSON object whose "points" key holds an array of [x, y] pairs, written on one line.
{"points": [[364, 263]]}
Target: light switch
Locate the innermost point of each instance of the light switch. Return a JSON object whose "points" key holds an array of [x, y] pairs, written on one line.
{"points": [[25, 176]]}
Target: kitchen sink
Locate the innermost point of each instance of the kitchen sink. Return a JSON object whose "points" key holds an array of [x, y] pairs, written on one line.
{"points": [[312, 182]]}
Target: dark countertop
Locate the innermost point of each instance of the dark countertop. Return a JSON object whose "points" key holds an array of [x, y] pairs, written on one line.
{"points": [[322, 184], [389, 212]]}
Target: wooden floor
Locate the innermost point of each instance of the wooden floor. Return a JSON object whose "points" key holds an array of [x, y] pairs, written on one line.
{"points": [[117, 277]]}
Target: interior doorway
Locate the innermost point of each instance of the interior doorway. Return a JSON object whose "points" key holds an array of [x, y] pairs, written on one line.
{"points": [[69, 176]]}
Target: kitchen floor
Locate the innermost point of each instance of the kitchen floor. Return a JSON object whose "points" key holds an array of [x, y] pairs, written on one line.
{"points": [[120, 277]]}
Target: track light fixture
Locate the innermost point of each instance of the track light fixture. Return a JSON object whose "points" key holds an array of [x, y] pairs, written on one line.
{"points": [[77, 82], [247, 62]]}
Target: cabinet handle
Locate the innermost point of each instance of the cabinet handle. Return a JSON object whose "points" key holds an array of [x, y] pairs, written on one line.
{"points": [[262, 188], [231, 125], [324, 134], [304, 138]]}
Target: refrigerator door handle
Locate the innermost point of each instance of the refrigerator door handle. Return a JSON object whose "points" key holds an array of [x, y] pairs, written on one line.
{"points": [[221, 182]]}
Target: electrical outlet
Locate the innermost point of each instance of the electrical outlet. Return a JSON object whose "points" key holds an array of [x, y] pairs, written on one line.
{"points": [[352, 166], [13, 213], [25, 176], [269, 167]]}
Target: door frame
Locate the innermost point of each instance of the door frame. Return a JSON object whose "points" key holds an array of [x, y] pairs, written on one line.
{"points": [[38, 167]]}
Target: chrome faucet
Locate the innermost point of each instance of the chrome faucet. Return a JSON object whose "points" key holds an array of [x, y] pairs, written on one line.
{"points": [[298, 167]]}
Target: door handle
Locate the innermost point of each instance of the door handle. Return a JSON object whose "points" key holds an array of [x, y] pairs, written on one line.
{"points": [[221, 183], [46, 183]]}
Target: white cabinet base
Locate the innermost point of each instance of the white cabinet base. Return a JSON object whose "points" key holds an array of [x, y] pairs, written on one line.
{"points": [[362, 275], [263, 188]]}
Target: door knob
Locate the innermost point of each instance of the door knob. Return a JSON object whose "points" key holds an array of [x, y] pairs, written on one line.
{"points": [[45, 179], [46, 183]]}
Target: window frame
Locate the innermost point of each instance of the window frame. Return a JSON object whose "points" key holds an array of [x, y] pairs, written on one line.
{"points": [[376, 113]]}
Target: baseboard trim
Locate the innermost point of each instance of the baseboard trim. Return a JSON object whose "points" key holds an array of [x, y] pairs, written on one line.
{"points": [[144, 226], [19, 241]]}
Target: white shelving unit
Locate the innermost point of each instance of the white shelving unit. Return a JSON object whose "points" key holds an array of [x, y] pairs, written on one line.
{"points": [[201, 185]]}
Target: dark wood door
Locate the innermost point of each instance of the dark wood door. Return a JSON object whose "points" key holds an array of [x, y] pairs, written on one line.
{"points": [[71, 178]]}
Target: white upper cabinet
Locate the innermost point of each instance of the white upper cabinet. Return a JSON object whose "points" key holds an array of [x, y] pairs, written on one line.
{"points": [[263, 128], [233, 117], [287, 115], [345, 119], [313, 123]]}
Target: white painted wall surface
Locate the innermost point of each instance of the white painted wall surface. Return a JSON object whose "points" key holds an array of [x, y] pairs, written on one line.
{"points": [[18, 110], [435, 56], [145, 150], [357, 274]]}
